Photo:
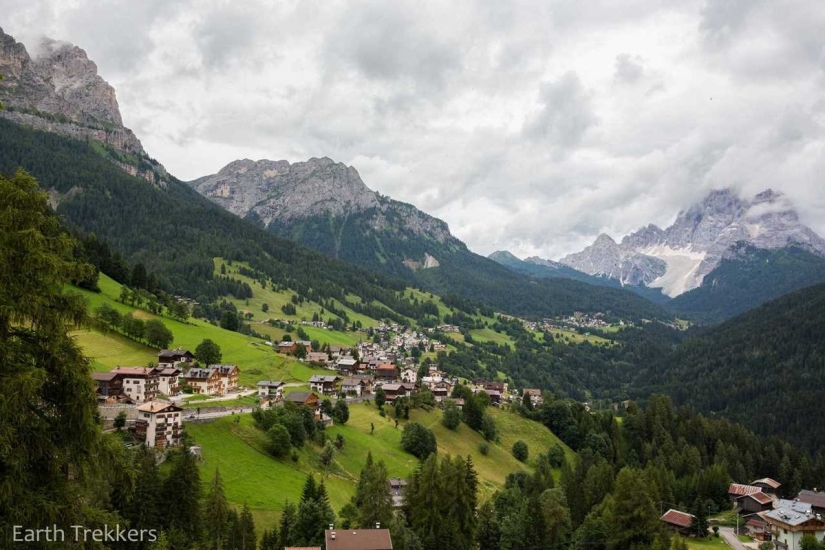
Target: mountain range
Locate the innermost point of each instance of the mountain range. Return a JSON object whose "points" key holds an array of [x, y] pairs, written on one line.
{"points": [[678, 258]]}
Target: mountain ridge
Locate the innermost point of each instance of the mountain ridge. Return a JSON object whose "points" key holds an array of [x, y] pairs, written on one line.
{"points": [[677, 259], [60, 91]]}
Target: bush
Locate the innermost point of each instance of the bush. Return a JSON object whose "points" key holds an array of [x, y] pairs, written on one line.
{"points": [[484, 448], [488, 428], [278, 441], [520, 450], [556, 455], [418, 440], [451, 417]]}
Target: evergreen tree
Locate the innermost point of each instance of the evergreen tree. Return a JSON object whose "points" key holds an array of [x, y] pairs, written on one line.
{"points": [[183, 487], [314, 514], [247, 529], [488, 535], [48, 421], [633, 518], [372, 498], [216, 514], [145, 507], [288, 526], [139, 277]]}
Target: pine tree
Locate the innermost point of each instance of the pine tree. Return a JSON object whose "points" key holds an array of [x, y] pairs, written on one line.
{"points": [[144, 510], [183, 487], [216, 514], [247, 528], [48, 421], [372, 495], [633, 518], [287, 526]]}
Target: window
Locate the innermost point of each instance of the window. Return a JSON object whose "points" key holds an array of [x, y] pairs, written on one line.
{"points": [[145, 415]]}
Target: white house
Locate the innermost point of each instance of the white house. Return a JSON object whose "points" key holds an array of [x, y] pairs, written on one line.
{"points": [[168, 380], [271, 389], [792, 520], [409, 375], [159, 424], [140, 384]]}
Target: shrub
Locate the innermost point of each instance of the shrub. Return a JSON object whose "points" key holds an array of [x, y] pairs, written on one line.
{"points": [[484, 448], [520, 450], [418, 440], [451, 417], [278, 440]]}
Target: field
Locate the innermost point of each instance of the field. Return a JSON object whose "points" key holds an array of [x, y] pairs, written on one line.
{"points": [[256, 360], [265, 483], [710, 543], [489, 335]]}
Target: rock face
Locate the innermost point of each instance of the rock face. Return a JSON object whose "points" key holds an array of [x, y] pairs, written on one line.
{"points": [[326, 205], [60, 91], [678, 258]]}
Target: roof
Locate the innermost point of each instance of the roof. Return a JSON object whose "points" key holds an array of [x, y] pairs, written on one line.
{"points": [[104, 376], [533, 391], [812, 497], [302, 548], [739, 490], [761, 498], [170, 371], [270, 383], [224, 369], [133, 371], [174, 352], [392, 387], [358, 539], [386, 367], [790, 515], [299, 396], [353, 382], [158, 407], [677, 518], [397, 482], [323, 379], [200, 373], [772, 483]]}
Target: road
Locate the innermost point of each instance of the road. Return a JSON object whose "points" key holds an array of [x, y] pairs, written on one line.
{"points": [[218, 414], [731, 538]]}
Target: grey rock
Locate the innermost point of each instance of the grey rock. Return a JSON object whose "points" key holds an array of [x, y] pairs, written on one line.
{"points": [[61, 92], [678, 258], [277, 191]]}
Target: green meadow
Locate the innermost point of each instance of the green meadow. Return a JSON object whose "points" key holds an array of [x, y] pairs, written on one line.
{"points": [[266, 483]]}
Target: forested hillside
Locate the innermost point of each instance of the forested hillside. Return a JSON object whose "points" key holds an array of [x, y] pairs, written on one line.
{"points": [[749, 278], [175, 233], [765, 369]]}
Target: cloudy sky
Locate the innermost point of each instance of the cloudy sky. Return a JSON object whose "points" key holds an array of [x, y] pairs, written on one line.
{"points": [[527, 125]]}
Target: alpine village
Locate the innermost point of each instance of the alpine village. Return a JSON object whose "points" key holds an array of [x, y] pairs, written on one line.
{"points": [[206, 365]]}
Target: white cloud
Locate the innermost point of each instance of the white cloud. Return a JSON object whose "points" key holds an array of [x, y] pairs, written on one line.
{"points": [[529, 125]]}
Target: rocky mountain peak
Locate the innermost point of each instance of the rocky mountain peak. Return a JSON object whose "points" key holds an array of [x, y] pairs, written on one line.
{"points": [[677, 259], [60, 91]]}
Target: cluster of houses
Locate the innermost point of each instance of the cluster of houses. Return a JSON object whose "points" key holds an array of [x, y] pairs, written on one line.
{"points": [[765, 516], [174, 372]]}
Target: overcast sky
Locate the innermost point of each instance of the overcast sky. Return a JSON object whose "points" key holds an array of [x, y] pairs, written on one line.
{"points": [[528, 126]]}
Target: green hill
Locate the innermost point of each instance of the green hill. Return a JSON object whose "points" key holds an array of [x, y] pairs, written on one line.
{"points": [[764, 369], [265, 483]]}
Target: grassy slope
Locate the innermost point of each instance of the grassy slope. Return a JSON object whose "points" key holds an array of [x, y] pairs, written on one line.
{"points": [[266, 483], [256, 360]]}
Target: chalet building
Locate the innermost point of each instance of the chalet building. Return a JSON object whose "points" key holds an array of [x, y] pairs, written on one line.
{"points": [[755, 502], [737, 490], [174, 357], [229, 377], [326, 385], [790, 521], [169, 380], [758, 528], [354, 386], [409, 375], [271, 389], [386, 372], [397, 491], [495, 396], [500, 387], [358, 539], [305, 398], [204, 381], [159, 424], [394, 391], [287, 348], [140, 384], [108, 386], [318, 357], [815, 499], [347, 364], [534, 395], [679, 522], [767, 485]]}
